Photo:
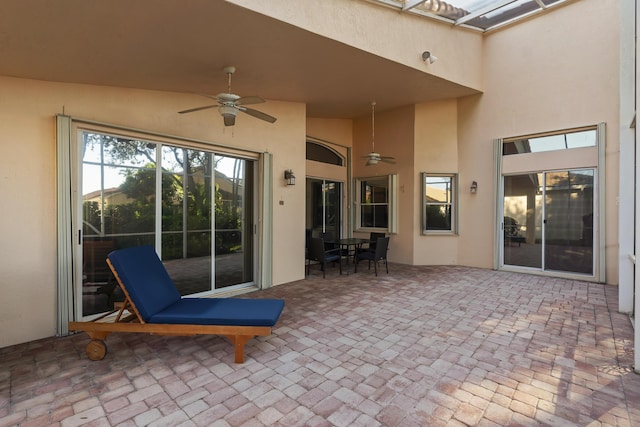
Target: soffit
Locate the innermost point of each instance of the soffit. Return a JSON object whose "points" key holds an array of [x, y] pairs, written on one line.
{"points": [[182, 46]]}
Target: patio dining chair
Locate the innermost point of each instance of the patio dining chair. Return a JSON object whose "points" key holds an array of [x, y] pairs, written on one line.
{"points": [[371, 246], [377, 255], [318, 253]]}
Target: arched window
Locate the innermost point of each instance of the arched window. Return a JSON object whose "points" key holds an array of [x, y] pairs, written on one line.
{"points": [[320, 153]]}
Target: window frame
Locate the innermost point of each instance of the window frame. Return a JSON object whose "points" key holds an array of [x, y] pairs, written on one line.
{"points": [[453, 203], [391, 203]]}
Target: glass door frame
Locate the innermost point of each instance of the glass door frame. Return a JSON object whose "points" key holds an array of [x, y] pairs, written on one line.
{"points": [[540, 224], [158, 233], [588, 158]]}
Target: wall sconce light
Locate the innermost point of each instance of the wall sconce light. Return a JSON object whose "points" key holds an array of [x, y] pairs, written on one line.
{"points": [[474, 187], [429, 57], [289, 177]]}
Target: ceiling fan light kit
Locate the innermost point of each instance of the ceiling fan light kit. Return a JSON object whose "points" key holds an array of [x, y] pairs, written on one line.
{"points": [[229, 114], [229, 104]]}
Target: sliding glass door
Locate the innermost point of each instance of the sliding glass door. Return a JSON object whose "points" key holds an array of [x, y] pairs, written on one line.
{"points": [[548, 220], [324, 207], [568, 221], [194, 206]]}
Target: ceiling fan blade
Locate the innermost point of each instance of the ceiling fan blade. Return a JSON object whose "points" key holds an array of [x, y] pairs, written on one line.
{"points": [[246, 100], [214, 97], [191, 110], [390, 160], [258, 114]]}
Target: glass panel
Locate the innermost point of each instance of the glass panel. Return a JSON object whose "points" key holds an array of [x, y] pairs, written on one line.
{"points": [[320, 153], [374, 190], [522, 220], [381, 216], [233, 221], [472, 6], [118, 188], [438, 217], [324, 207], [186, 218], [563, 141], [374, 208], [332, 207], [504, 14], [438, 189], [569, 221]]}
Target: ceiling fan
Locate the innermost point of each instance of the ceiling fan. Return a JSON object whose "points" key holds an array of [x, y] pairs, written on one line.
{"points": [[374, 158], [229, 104]]}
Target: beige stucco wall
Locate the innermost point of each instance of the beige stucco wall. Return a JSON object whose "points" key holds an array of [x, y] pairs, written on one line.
{"points": [[394, 136], [554, 72], [28, 186], [436, 152], [335, 134], [402, 36]]}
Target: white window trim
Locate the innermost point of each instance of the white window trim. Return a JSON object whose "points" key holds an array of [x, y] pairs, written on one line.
{"points": [[392, 197]]}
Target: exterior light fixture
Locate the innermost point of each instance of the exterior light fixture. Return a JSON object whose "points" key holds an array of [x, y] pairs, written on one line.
{"points": [[289, 177], [429, 57], [474, 187]]}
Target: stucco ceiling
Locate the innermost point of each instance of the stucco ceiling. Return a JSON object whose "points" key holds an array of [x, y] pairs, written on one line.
{"points": [[182, 46]]}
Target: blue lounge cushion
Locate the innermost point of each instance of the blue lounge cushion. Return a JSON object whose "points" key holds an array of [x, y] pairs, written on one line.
{"points": [[158, 301], [221, 311], [145, 278]]}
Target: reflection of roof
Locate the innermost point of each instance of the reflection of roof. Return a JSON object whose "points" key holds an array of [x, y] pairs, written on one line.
{"points": [[225, 184], [96, 194], [436, 195]]}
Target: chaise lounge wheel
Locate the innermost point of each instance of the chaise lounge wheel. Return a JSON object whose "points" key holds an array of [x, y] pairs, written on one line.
{"points": [[96, 350]]}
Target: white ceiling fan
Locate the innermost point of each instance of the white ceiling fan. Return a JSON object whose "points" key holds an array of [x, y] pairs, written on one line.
{"points": [[229, 104], [374, 158]]}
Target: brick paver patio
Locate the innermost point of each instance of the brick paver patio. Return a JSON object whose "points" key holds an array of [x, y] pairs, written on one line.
{"points": [[422, 346]]}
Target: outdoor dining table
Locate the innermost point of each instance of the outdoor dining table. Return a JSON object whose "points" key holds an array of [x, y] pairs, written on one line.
{"points": [[351, 246]]}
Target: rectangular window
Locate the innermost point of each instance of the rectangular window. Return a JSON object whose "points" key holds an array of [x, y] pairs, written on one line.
{"points": [[550, 142], [439, 203], [375, 203]]}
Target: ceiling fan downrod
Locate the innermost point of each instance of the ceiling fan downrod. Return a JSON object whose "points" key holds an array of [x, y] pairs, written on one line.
{"points": [[229, 70], [373, 126]]}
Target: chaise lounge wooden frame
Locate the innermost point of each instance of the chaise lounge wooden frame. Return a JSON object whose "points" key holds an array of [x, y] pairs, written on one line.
{"points": [[126, 317]]}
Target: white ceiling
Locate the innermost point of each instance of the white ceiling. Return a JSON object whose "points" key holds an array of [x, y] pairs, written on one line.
{"points": [[182, 46]]}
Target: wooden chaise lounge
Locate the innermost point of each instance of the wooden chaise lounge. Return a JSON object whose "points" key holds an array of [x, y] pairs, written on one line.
{"points": [[153, 305]]}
